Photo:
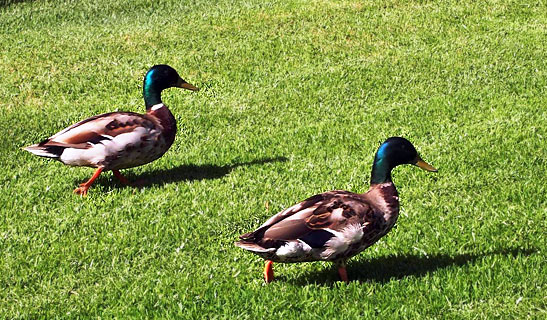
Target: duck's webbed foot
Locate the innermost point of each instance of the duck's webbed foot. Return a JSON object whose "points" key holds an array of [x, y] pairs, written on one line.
{"points": [[82, 189]]}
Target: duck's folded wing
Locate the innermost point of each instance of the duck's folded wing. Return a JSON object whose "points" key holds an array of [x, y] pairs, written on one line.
{"points": [[93, 130], [86, 140], [314, 220]]}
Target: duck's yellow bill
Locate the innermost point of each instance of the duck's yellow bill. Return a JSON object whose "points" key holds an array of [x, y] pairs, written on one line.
{"points": [[185, 85], [424, 165]]}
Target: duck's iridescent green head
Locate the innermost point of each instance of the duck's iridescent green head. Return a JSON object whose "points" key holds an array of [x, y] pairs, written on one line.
{"points": [[393, 152], [158, 78]]}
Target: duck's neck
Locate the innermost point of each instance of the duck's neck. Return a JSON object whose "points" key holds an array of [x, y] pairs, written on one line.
{"points": [[151, 95], [381, 171], [151, 90], [382, 193]]}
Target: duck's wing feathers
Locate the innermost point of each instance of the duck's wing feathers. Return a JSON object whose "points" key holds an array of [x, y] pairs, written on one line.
{"points": [[314, 220], [98, 129], [101, 127]]}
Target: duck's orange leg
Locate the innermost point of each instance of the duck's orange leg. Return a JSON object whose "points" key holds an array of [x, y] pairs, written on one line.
{"points": [[82, 189], [343, 274], [342, 271], [268, 271], [120, 177]]}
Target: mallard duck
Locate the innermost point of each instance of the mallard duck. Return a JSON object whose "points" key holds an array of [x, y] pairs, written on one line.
{"points": [[335, 225], [119, 140]]}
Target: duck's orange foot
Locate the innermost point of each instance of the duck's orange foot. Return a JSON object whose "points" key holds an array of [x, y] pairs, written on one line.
{"points": [[268, 271], [81, 190]]}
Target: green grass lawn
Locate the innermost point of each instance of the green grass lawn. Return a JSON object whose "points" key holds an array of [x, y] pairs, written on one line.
{"points": [[296, 97]]}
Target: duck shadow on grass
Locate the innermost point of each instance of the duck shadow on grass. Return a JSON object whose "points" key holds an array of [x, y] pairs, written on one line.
{"points": [[386, 269], [187, 172]]}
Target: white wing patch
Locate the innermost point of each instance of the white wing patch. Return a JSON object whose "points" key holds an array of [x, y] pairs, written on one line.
{"points": [[293, 249], [122, 140], [336, 215], [351, 234]]}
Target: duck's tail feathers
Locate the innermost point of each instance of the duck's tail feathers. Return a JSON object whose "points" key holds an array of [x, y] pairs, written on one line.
{"points": [[253, 247], [46, 151]]}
